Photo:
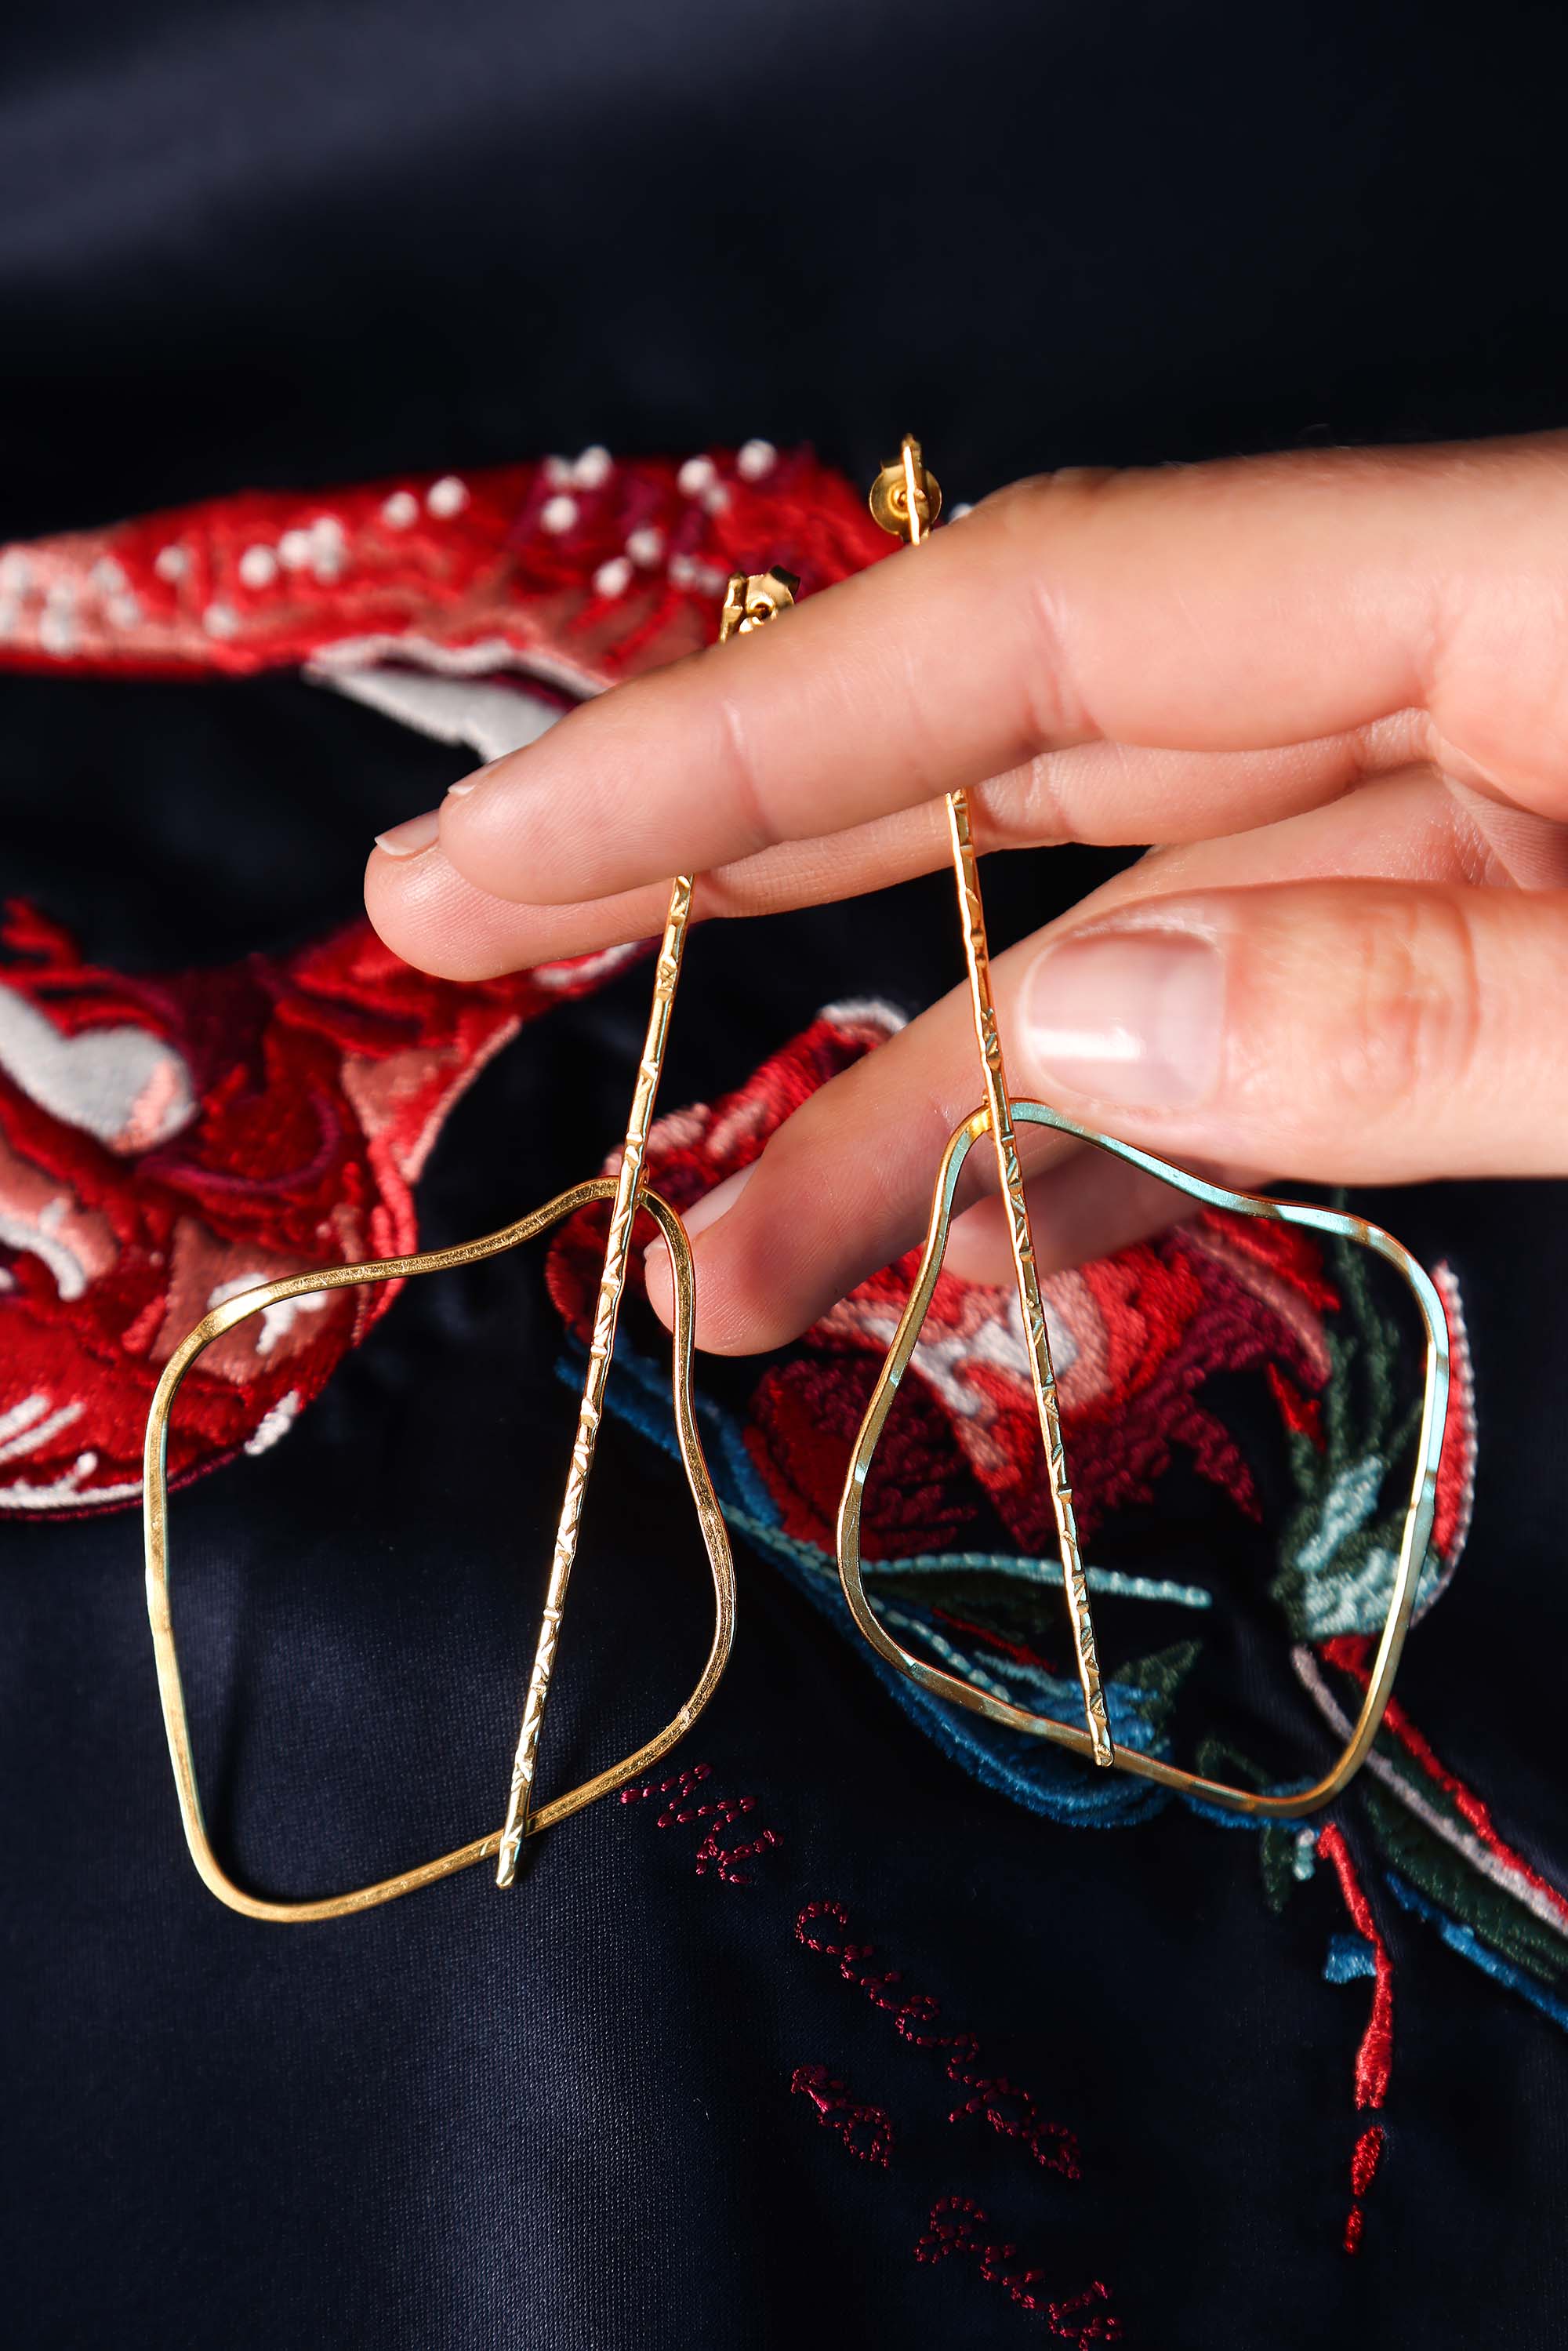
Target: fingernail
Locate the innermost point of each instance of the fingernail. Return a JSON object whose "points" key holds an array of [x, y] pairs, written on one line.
{"points": [[696, 1219], [716, 1203], [465, 784], [408, 840], [1134, 1017]]}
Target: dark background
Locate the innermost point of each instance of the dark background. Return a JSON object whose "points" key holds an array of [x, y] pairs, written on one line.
{"points": [[268, 243], [298, 244]]}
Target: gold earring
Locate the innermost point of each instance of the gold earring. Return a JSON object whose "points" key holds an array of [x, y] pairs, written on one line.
{"points": [[907, 500], [749, 602]]}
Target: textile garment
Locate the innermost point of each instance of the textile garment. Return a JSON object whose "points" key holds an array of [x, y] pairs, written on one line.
{"points": [[845, 2025]]}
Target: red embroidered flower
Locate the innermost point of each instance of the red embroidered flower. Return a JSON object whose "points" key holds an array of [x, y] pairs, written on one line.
{"points": [[1134, 1336], [167, 1142]]}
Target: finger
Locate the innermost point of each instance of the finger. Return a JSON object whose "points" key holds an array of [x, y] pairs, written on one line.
{"points": [[427, 912], [435, 919], [1214, 608], [1411, 826], [1346, 1031], [1089, 1206]]}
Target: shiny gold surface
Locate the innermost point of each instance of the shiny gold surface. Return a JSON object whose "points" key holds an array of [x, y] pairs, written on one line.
{"points": [[748, 603], [1418, 1528], [156, 1525], [907, 493], [906, 501]]}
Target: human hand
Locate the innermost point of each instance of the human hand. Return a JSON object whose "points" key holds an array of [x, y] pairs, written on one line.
{"points": [[1334, 688]]}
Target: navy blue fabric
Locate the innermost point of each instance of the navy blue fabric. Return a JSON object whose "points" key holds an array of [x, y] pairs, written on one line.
{"points": [[279, 245]]}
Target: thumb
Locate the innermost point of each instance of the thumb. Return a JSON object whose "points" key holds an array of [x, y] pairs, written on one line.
{"points": [[1345, 1031]]}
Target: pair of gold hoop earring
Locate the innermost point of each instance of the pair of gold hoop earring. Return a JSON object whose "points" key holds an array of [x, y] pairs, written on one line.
{"points": [[905, 500]]}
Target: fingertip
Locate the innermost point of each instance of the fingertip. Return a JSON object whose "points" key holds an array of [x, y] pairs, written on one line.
{"points": [[427, 912], [717, 1330], [430, 918]]}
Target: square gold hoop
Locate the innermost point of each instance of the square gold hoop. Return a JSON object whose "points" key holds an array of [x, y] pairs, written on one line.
{"points": [[155, 1520], [1418, 1529]]}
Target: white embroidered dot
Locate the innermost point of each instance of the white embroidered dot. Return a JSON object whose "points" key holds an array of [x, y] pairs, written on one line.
{"points": [[557, 472], [106, 576], [295, 549], [220, 620], [171, 563], [612, 579], [327, 534], [698, 475], [57, 629], [15, 574], [258, 567], [754, 459], [593, 468], [688, 571], [125, 611], [326, 562], [446, 497], [400, 510], [645, 546], [557, 513], [10, 619]]}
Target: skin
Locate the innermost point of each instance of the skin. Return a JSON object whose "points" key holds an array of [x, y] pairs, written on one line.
{"points": [[1333, 688]]}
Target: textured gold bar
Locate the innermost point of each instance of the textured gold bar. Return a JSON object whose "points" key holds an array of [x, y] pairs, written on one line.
{"points": [[748, 604], [908, 506], [601, 1348], [1026, 1271]]}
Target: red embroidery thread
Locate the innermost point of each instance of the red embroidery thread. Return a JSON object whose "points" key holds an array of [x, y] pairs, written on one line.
{"points": [[1004, 2105], [720, 1812], [1349, 1652], [866, 2130], [1375, 2057], [954, 2227], [1363, 2166]]}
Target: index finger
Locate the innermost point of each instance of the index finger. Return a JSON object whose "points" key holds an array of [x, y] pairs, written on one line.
{"points": [[1214, 608]]}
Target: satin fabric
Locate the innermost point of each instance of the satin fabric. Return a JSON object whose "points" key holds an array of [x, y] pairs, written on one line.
{"points": [[285, 245]]}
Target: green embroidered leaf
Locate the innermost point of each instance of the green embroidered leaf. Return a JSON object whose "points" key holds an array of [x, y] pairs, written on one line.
{"points": [[1157, 1678], [1217, 1760], [1447, 1878]]}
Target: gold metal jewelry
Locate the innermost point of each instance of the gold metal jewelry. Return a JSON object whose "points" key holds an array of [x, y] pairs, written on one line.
{"points": [[748, 603], [905, 500]]}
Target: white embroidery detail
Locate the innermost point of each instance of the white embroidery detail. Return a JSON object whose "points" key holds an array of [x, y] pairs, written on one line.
{"points": [[446, 497], [275, 1423], [126, 1086]]}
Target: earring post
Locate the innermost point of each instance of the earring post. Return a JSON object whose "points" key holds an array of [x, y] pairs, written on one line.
{"points": [[750, 601], [905, 499]]}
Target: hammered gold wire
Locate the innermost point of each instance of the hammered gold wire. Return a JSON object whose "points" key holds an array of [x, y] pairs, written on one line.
{"points": [[170, 1689], [749, 602], [1418, 1514], [906, 499]]}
